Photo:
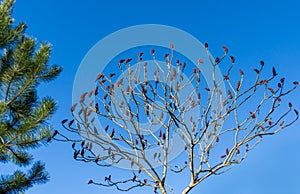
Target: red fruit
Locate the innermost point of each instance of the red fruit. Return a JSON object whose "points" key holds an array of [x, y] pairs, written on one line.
{"points": [[226, 77], [166, 55], [112, 74], [227, 151], [295, 83], [73, 107], [229, 94], [241, 72], [252, 115], [232, 59], [171, 45], [101, 75], [271, 90], [102, 82], [128, 60], [141, 54], [225, 49], [152, 51], [71, 122], [238, 86], [207, 89], [290, 105], [200, 61], [270, 122], [279, 85]]}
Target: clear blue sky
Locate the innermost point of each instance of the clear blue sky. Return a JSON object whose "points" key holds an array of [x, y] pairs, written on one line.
{"points": [[253, 30]]}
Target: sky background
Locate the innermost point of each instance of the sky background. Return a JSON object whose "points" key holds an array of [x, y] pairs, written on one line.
{"points": [[253, 31]]}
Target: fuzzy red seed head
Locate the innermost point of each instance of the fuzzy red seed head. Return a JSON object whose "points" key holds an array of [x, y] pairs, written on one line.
{"points": [[241, 72], [128, 60], [152, 51], [225, 49], [232, 59]]}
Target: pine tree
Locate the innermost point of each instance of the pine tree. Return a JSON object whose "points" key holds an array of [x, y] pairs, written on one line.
{"points": [[23, 116]]}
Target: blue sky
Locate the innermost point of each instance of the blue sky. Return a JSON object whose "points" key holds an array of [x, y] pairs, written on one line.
{"points": [[252, 30]]}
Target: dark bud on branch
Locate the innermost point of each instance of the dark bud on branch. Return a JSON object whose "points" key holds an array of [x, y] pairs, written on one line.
{"points": [[274, 71], [64, 121], [207, 89], [90, 182], [106, 128], [206, 45], [55, 133]]}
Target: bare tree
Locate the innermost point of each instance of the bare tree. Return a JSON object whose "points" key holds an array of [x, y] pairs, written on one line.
{"points": [[217, 128]]}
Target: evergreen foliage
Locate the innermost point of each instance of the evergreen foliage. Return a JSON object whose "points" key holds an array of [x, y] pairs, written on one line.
{"points": [[23, 116]]}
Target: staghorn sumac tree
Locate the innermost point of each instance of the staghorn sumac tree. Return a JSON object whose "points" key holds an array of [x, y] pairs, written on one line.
{"points": [[139, 115]]}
